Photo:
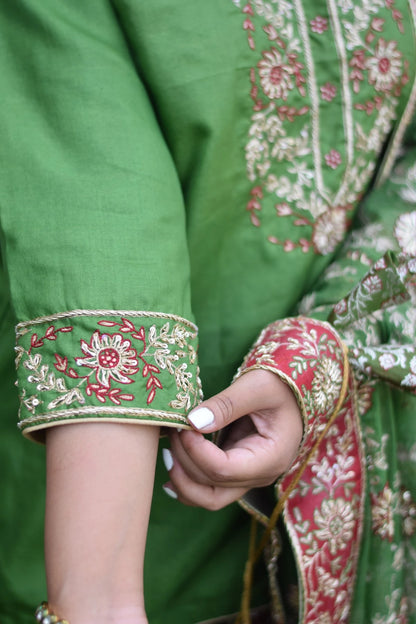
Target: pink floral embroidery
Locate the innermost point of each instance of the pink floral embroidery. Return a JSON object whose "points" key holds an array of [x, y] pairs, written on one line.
{"points": [[371, 105], [328, 92], [377, 24], [357, 63], [385, 67], [319, 24], [249, 26], [333, 159], [396, 15], [280, 129], [254, 205], [276, 77]]}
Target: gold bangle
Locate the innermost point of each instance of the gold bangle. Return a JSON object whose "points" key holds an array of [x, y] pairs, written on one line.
{"points": [[45, 616]]}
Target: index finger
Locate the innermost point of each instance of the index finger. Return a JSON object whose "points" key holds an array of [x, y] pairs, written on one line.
{"points": [[254, 462]]}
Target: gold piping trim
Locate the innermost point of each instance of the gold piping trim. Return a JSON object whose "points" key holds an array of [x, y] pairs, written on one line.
{"points": [[347, 104], [96, 410], [313, 92], [250, 509], [29, 430], [134, 313]]}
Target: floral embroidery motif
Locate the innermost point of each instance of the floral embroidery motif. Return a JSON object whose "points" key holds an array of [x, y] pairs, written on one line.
{"points": [[335, 522], [390, 282], [285, 124], [112, 357], [137, 355], [393, 518], [381, 300], [276, 76], [333, 159], [410, 379], [324, 511], [385, 67], [324, 517], [328, 92], [326, 384], [405, 232], [319, 24], [310, 356], [382, 513]]}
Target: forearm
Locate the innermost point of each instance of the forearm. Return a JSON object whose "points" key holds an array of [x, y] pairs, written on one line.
{"points": [[99, 489]]}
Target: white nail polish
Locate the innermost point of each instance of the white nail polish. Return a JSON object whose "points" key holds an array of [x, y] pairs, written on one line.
{"points": [[201, 417], [167, 459], [169, 492]]}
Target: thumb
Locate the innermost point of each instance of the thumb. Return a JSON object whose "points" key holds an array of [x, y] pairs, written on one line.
{"points": [[247, 394]]}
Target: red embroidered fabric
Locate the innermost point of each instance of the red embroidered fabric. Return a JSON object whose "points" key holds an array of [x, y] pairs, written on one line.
{"points": [[324, 512]]}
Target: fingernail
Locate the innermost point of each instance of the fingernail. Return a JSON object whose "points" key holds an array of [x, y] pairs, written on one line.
{"points": [[201, 417], [169, 491], [167, 459]]}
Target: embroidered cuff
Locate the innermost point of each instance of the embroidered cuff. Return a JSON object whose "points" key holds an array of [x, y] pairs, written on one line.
{"points": [[106, 365], [309, 356]]}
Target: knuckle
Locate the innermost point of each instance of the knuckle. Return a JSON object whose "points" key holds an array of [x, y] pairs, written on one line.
{"points": [[224, 406], [218, 474]]}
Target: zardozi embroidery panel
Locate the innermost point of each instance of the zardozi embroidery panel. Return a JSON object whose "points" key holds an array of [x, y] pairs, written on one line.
{"points": [[97, 364]]}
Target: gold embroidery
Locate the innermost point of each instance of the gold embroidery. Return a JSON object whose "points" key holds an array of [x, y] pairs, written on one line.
{"points": [[116, 353], [20, 327]]}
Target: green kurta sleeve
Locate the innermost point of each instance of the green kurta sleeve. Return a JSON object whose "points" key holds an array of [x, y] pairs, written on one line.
{"points": [[92, 226]]}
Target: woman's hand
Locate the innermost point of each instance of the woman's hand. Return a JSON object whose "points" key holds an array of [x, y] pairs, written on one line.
{"points": [[264, 430]]}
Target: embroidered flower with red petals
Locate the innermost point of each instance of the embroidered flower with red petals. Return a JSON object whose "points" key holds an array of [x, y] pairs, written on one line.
{"points": [[112, 357], [319, 24], [276, 76], [385, 67], [328, 92], [333, 159]]}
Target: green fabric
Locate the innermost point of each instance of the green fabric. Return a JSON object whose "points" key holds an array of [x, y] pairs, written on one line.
{"points": [[202, 160], [121, 359]]}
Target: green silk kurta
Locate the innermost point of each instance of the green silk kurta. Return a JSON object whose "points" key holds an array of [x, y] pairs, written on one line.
{"points": [[176, 176]]}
